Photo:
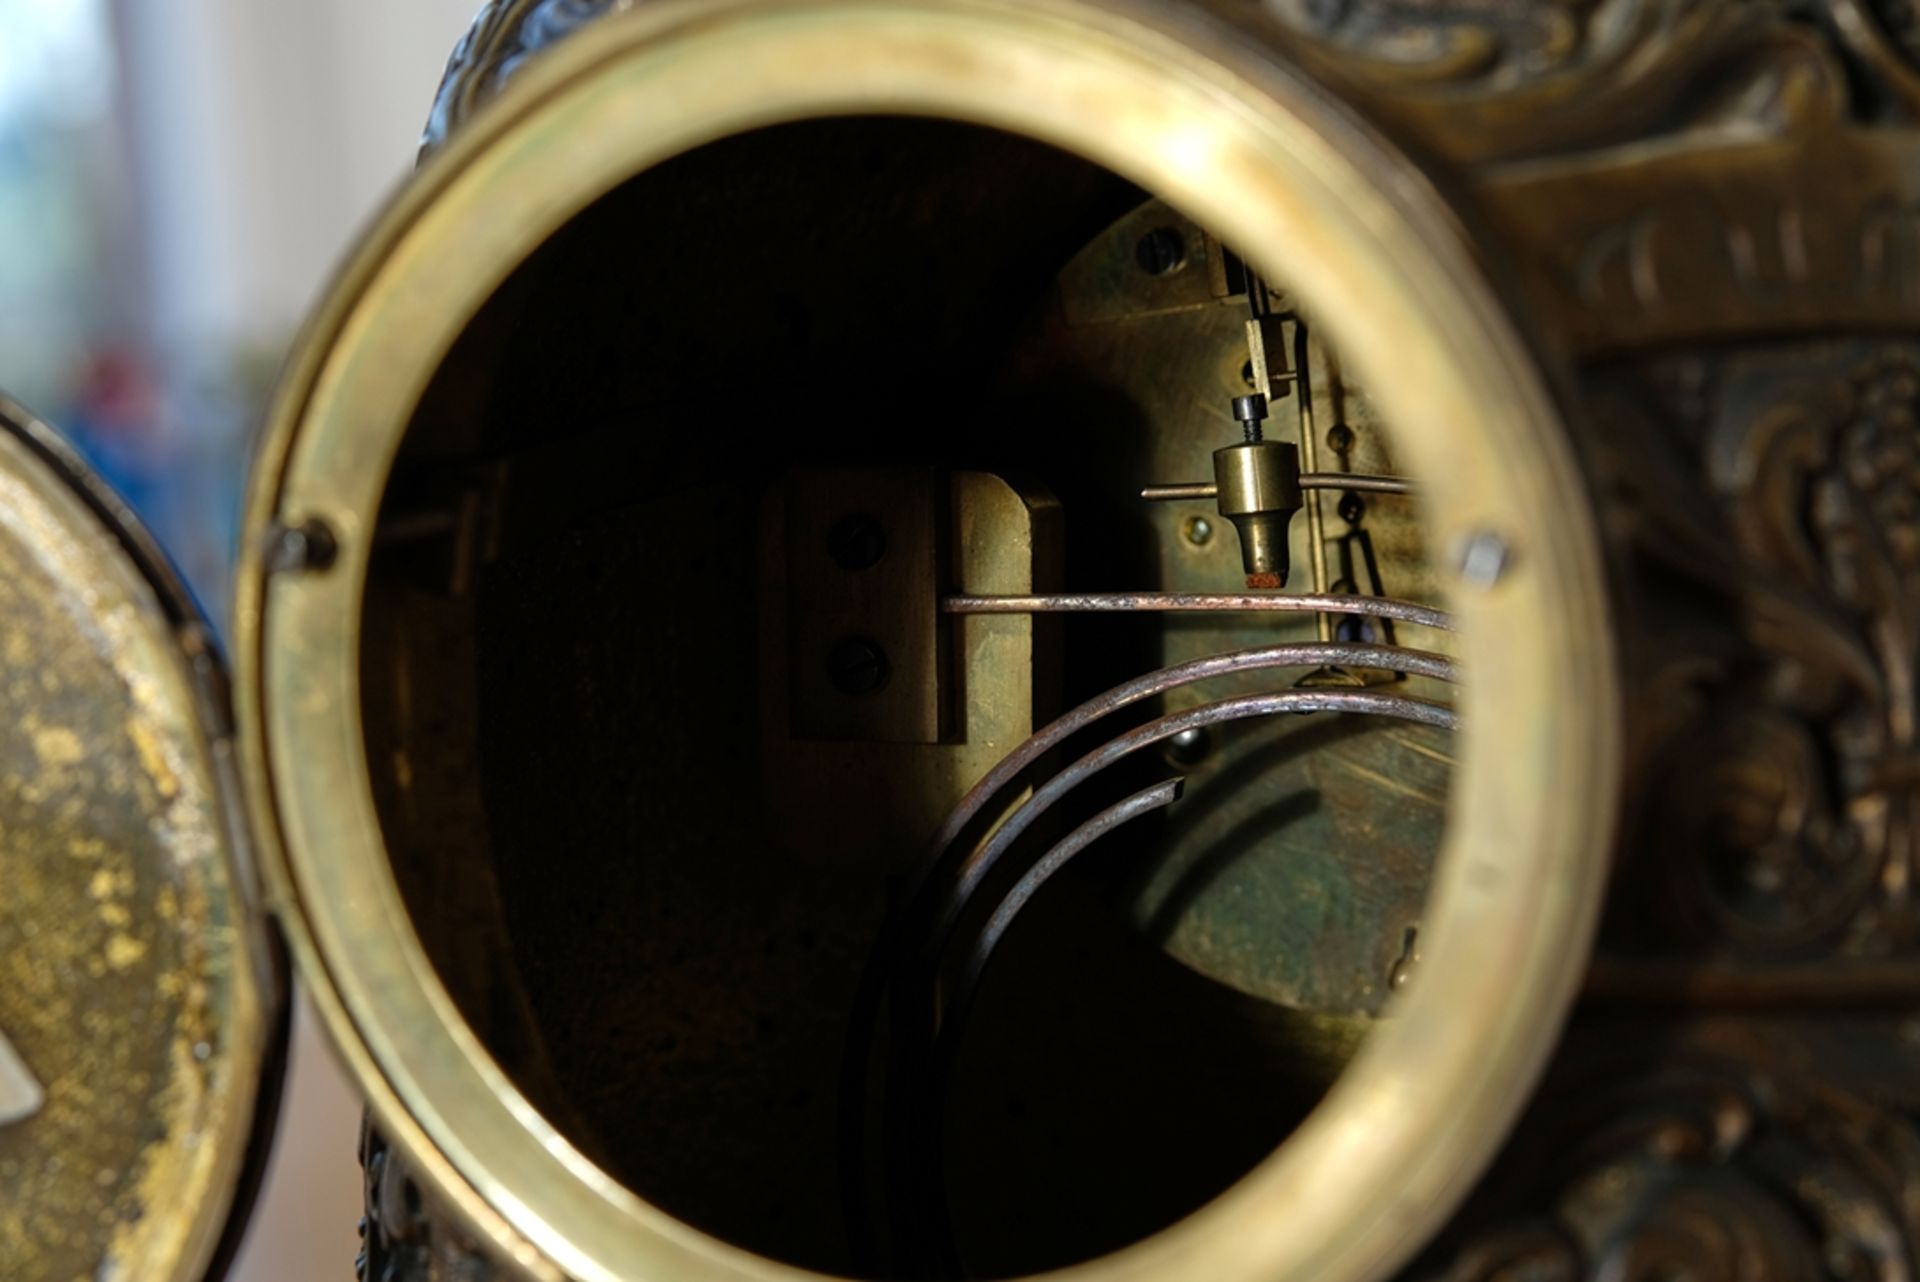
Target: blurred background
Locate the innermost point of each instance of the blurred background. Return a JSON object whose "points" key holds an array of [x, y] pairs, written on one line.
{"points": [[177, 179]]}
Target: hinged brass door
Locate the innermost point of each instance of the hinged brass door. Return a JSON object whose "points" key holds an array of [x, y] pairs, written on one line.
{"points": [[141, 993]]}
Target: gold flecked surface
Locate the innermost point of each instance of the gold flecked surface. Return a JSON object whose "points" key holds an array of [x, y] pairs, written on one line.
{"points": [[125, 983]]}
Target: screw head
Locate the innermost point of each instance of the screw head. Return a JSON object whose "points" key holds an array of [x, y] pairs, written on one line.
{"points": [[857, 665], [1250, 412], [308, 546], [1484, 559], [856, 542], [1161, 252]]}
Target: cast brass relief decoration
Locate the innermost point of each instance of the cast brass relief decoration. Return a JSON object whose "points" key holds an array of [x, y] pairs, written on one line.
{"points": [[1784, 819], [1824, 485], [400, 1240], [504, 35], [393, 1231], [1511, 82], [1900, 20], [1491, 44], [1732, 1161]]}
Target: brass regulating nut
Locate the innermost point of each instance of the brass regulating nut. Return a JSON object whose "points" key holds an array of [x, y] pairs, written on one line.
{"points": [[1259, 491]]}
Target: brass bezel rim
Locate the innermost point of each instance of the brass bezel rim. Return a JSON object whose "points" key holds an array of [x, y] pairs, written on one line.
{"points": [[1186, 109]]}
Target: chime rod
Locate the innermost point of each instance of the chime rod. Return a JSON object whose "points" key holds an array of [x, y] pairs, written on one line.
{"points": [[1359, 482], [901, 930], [922, 1128], [908, 1117], [974, 868], [984, 944], [1233, 663], [1202, 603]]}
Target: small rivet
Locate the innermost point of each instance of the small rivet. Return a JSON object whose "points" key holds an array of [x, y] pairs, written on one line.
{"points": [[1199, 531], [308, 546], [857, 665], [856, 542], [1484, 559], [1161, 252], [1402, 973]]}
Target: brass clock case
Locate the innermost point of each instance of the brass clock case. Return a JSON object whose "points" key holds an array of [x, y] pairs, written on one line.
{"points": [[663, 527], [1188, 106]]}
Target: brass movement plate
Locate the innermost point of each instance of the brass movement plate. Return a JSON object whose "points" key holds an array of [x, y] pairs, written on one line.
{"points": [[1000, 538], [881, 604], [1298, 869], [136, 991]]}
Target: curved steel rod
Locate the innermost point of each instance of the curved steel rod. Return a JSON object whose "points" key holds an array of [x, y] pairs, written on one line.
{"points": [[975, 867], [1139, 804], [1357, 482], [1182, 492], [1315, 654], [926, 1176], [1203, 603], [898, 929], [927, 1034]]}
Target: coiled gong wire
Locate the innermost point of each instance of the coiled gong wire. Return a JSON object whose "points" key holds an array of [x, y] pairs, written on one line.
{"points": [[902, 975]]}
